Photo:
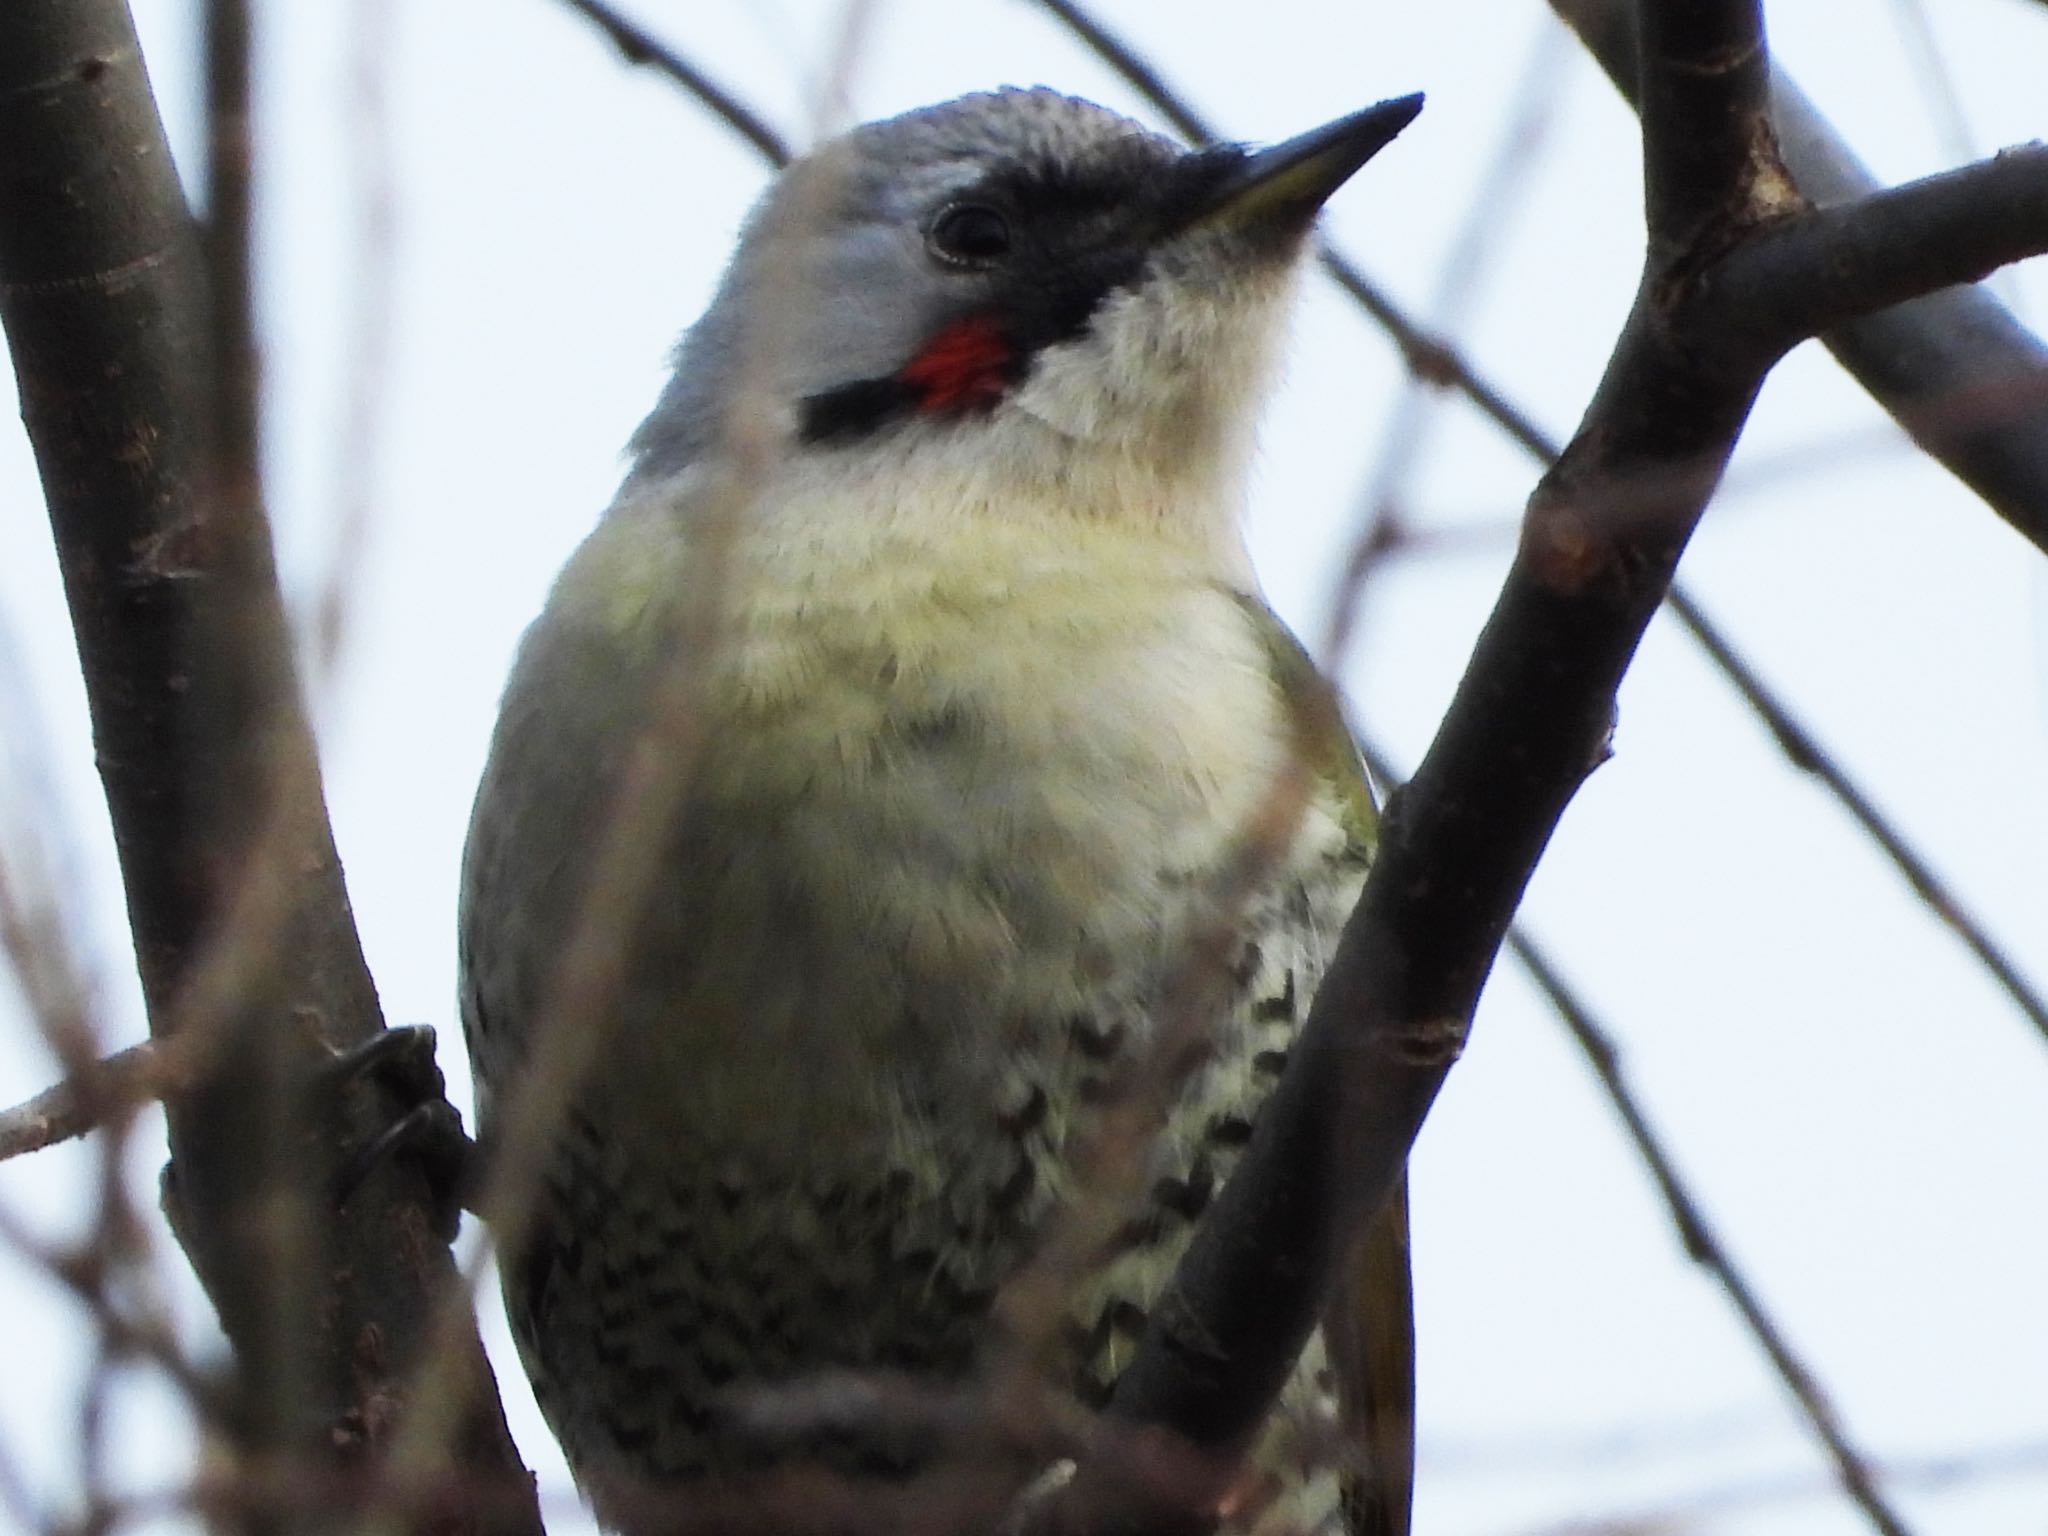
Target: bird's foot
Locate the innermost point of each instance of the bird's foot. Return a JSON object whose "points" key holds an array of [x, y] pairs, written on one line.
{"points": [[426, 1127]]}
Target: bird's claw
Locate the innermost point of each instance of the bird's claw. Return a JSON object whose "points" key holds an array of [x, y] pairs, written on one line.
{"points": [[401, 1062]]}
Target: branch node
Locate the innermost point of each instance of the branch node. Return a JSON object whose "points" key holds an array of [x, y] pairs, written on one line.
{"points": [[1426, 1044]]}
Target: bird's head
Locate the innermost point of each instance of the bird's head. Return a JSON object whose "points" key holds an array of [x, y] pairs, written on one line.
{"points": [[1020, 277]]}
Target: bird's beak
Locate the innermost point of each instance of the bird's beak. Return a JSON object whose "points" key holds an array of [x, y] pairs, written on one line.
{"points": [[1278, 190]]}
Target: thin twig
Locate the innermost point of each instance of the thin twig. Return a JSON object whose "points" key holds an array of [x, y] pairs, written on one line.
{"points": [[1696, 1510], [82, 1272], [1702, 1246], [117, 1256], [1110, 1164], [274, 1350], [639, 46], [1798, 744], [1484, 232], [37, 943], [204, 753], [138, 1075], [579, 1005], [1701, 1243], [368, 331]]}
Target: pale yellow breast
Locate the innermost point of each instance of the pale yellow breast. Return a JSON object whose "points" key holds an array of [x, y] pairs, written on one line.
{"points": [[972, 764]]}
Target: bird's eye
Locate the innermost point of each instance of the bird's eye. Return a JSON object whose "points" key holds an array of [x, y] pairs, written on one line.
{"points": [[969, 235]]}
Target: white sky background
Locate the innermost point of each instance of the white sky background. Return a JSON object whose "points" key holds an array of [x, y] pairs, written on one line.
{"points": [[1865, 1117]]}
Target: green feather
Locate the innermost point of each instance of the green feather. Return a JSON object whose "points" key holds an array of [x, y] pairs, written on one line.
{"points": [[1323, 739]]}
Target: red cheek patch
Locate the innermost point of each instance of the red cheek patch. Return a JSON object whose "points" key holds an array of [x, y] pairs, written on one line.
{"points": [[964, 364]]}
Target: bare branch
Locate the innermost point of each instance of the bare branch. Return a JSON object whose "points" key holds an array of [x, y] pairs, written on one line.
{"points": [[1798, 744], [1966, 380], [639, 46], [251, 1095], [70, 1109], [568, 1035], [85, 1273], [1137, 71], [1491, 210], [1701, 1243], [147, 458], [1841, 262], [1705, 104], [1687, 1214]]}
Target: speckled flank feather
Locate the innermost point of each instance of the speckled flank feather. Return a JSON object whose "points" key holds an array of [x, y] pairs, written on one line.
{"points": [[994, 699]]}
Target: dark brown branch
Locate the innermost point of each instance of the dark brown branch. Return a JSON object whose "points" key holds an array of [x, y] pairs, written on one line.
{"points": [[241, 921], [1955, 369], [2000, 450], [1966, 380], [1955, 227], [1701, 1243], [259, 1273], [639, 46], [1702, 1246], [1706, 85]]}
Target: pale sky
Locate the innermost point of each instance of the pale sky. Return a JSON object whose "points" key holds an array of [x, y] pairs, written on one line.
{"points": [[1864, 1116]]}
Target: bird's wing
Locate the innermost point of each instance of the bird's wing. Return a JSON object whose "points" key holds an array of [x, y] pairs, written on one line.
{"points": [[1369, 1331], [1369, 1324]]}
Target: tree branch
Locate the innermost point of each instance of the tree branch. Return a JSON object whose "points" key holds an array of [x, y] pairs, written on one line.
{"points": [[1705, 97], [77, 1106], [1702, 1244], [639, 46], [1965, 380], [241, 921], [1955, 227]]}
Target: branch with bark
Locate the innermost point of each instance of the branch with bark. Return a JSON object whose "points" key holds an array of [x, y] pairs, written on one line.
{"points": [[1965, 379], [132, 341]]}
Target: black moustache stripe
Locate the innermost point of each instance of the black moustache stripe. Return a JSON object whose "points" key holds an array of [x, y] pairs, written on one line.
{"points": [[1048, 291]]}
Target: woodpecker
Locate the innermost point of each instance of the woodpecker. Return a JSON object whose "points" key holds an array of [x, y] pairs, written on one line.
{"points": [[986, 696]]}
